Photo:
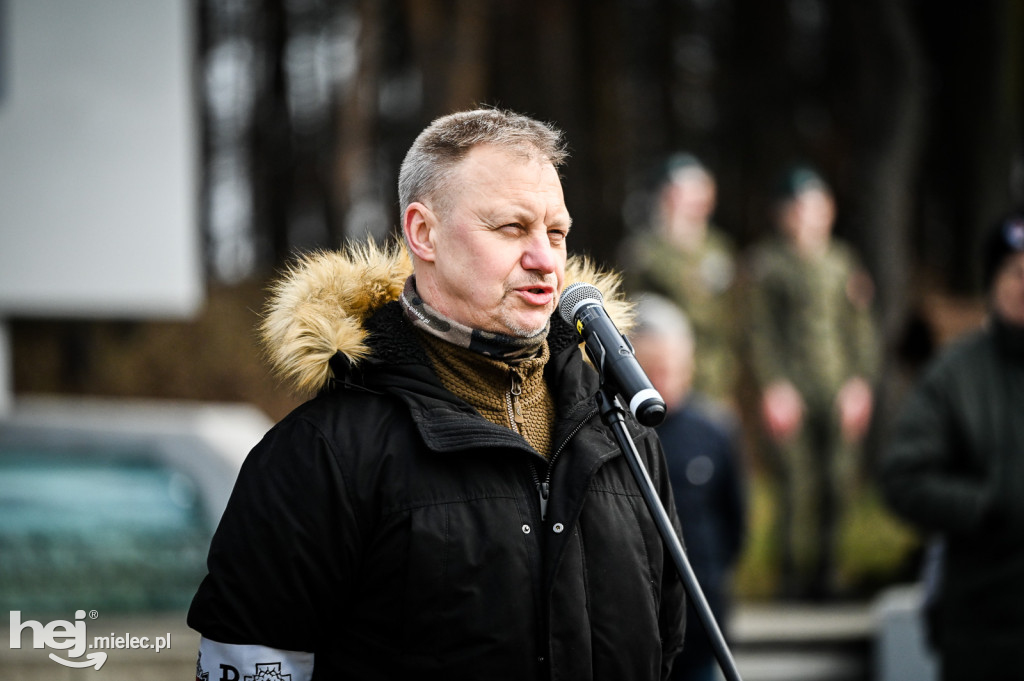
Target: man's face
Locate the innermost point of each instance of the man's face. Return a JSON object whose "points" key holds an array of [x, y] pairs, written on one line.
{"points": [[1008, 290], [691, 194], [668, 362], [807, 220], [498, 258]]}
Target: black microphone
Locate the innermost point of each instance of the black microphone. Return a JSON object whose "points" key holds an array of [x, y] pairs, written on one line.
{"points": [[582, 306]]}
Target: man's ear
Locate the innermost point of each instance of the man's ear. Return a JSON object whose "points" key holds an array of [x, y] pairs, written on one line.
{"points": [[418, 224]]}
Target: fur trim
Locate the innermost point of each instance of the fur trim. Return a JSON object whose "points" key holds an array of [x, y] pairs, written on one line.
{"points": [[320, 304], [609, 283], [317, 308]]}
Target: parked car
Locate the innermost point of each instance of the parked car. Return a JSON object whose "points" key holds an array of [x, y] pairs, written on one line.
{"points": [[106, 512]]}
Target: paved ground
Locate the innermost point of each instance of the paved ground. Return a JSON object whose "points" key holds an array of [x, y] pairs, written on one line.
{"points": [[879, 640], [788, 642]]}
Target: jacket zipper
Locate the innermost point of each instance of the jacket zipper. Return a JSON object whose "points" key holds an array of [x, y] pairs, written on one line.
{"points": [[512, 402], [544, 486]]}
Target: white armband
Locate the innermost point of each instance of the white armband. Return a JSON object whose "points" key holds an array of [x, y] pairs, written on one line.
{"points": [[232, 662]]}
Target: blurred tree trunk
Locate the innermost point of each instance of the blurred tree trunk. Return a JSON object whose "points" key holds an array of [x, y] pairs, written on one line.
{"points": [[354, 186], [449, 42], [975, 112], [886, 145], [605, 76], [887, 139], [271, 154], [994, 137]]}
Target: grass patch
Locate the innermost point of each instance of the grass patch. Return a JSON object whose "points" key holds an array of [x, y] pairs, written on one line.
{"points": [[875, 550]]}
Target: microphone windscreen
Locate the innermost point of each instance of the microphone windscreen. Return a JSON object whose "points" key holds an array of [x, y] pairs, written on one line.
{"points": [[573, 295]]}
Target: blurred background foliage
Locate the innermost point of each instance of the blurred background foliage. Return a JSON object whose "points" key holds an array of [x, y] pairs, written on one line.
{"points": [[912, 109]]}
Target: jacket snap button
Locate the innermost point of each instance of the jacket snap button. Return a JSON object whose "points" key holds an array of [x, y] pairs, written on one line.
{"points": [[558, 527], [526, 529]]}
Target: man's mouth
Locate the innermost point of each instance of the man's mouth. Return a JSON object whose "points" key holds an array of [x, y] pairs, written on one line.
{"points": [[537, 295]]}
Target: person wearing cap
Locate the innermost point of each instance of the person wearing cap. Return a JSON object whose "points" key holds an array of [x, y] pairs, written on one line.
{"points": [[954, 467], [705, 467], [686, 258], [813, 355]]}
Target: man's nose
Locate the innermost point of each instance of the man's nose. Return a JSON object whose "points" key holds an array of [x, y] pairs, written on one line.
{"points": [[540, 255]]}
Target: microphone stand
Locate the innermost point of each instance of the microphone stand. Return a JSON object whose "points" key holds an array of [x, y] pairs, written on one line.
{"points": [[612, 413]]}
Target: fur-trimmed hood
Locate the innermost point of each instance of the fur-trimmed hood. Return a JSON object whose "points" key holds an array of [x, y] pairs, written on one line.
{"points": [[320, 305]]}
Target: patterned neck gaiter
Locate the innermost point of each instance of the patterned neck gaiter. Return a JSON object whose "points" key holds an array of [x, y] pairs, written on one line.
{"points": [[490, 344]]}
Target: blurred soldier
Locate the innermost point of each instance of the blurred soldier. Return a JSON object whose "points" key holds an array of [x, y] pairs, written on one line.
{"points": [[814, 354], [705, 469], [955, 467], [690, 261]]}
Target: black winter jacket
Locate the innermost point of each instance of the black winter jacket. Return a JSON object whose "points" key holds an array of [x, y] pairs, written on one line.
{"points": [[956, 467], [391, 531]]}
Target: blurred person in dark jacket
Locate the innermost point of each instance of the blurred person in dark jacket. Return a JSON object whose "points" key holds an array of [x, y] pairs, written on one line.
{"points": [[704, 464], [955, 468], [449, 505], [814, 353]]}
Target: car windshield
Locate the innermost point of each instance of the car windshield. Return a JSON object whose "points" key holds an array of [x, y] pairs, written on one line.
{"points": [[97, 529]]}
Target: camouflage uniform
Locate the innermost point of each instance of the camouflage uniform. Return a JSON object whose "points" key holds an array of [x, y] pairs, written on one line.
{"points": [[811, 325], [701, 282]]}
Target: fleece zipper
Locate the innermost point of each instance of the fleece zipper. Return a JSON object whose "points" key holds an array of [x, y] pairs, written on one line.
{"points": [[513, 404]]}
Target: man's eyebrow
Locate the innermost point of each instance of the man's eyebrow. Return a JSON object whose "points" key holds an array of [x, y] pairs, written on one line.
{"points": [[565, 222], [527, 216], [516, 214]]}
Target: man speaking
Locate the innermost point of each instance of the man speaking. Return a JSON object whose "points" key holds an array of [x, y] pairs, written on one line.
{"points": [[449, 504]]}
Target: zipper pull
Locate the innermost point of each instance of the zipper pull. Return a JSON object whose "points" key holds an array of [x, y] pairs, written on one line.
{"points": [[517, 390], [543, 490]]}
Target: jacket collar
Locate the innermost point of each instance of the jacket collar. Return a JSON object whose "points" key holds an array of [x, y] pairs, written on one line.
{"points": [[399, 365]]}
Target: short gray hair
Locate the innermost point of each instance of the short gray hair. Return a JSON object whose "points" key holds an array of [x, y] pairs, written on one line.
{"points": [[658, 316], [427, 167]]}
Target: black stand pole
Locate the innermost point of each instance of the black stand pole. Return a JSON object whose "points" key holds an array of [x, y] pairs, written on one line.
{"points": [[612, 414]]}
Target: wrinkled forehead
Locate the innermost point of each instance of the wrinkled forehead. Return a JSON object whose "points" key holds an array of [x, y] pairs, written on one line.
{"points": [[466, 167], [494, 168]]}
